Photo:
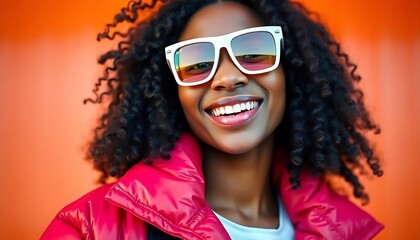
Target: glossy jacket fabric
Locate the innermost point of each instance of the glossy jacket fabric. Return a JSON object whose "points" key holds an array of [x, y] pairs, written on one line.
{"points": [[170, 196]]}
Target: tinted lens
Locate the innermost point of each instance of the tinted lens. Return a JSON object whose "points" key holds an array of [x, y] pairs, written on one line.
{"points": [[194, 62], [255, 51]]}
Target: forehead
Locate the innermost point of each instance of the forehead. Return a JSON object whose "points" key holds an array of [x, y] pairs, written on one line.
{"points": [[220, 18]]}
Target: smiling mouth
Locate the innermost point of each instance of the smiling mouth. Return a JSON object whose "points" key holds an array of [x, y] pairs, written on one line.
{"points": [[232, 110]]}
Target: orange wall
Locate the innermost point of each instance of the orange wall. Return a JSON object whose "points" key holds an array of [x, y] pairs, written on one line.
{"points": [[47, 66]]}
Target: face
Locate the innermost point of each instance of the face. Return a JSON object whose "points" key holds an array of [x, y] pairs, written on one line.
{"points": [[229, 88]]}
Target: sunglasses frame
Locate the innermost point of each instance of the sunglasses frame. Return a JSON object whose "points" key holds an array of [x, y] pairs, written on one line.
{"points": [[224, 41]]}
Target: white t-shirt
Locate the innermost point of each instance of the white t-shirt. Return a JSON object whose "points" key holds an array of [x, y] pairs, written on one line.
{"points": [[284, 231]]}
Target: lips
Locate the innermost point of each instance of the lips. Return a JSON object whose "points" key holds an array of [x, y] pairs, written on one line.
{"points": [[234, 111]]}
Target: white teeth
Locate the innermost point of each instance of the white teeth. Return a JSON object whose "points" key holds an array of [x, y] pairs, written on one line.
{"points": [[237, 108], [248, 106], [229, 109]]}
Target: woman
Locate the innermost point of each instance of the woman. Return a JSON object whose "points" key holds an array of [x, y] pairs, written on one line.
{"points": [[234, 139]]}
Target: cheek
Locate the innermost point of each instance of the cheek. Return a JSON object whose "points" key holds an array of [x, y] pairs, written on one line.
{"points": [[279, 85], [184, 95], [190, 101], [191, 98], [277, 88]]}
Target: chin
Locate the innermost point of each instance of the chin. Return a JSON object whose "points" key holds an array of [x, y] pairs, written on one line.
{"points": [[236, 148]]}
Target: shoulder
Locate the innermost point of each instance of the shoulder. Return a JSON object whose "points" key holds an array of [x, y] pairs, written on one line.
{"points": [[315, 208], [79, 211], [96, 196], [73, 221], [90, 217]]}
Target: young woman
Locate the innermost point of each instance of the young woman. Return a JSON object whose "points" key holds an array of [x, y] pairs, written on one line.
{"points": [[225, 118]]}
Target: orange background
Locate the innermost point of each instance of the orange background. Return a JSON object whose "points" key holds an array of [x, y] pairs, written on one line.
{"points": [[48, 66]]}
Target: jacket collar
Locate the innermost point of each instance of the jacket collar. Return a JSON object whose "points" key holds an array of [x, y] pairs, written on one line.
{"points": [[170, 195]]}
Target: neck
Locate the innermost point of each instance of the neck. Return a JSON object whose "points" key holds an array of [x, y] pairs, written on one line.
{"points": [[240, 184]]}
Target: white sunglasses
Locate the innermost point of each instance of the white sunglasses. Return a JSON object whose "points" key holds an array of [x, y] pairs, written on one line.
{"points": [[253, 51]]}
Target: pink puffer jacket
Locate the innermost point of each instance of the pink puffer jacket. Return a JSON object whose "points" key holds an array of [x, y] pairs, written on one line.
{"points": [[170, 196]]}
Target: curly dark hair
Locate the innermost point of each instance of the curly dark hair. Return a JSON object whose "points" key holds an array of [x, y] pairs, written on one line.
{"points": [[325, 123]]}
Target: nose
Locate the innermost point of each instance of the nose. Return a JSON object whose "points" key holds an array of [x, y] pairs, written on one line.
{"points": [[227, 76]]}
